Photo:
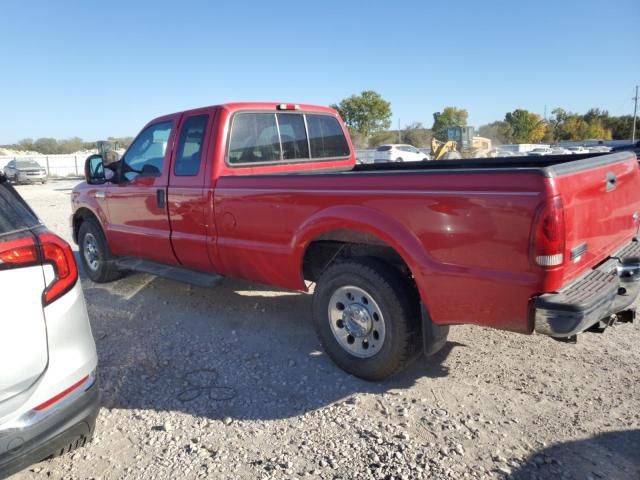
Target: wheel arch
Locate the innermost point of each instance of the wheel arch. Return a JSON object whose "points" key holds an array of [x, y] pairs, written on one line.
{"points": [[79, 217], [364, 232]]}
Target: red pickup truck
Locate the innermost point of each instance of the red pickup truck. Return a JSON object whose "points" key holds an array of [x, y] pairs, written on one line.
{"points": [[271, 193]]}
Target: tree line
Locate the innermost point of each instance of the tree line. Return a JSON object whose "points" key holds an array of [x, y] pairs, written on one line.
{"points": [[52, 146], [368, 117]]}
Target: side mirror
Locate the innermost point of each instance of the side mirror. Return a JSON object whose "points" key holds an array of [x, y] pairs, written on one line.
{"points": [[94, 170]]}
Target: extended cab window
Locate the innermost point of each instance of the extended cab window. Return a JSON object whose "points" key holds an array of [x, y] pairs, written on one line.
{"points": [[189, 153], [145, 156], [293, 136], [326, 137], [268, 137], [254, 138]]}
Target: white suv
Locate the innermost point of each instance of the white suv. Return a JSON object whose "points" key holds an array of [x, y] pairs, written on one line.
{"points": [[399, 153], [49, 398]]}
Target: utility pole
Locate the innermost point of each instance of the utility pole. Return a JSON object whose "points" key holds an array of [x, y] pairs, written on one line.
{"points": [[635, 111]]}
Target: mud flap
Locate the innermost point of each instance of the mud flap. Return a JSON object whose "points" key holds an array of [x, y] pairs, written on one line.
{"points": [[434, 337]]}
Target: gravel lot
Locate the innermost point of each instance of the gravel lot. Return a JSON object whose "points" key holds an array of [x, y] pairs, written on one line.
{"points": [[230, 382]]}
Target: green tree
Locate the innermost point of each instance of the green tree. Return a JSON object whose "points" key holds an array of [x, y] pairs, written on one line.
{"points": [[366, 113], [47, 146], [525, 126], [417, 135], [620, 127], [24, 144], [449, 117], [497, 131], [572, 126], [380, 138]]}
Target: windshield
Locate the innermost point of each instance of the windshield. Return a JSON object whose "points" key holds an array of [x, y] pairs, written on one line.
{"points": [[27, 164]]}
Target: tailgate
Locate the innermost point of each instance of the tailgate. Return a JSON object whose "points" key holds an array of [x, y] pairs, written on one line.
{"points": [[601, 200]]}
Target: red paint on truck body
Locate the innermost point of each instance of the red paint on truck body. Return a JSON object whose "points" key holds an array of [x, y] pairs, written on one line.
{"points": [[465, 235]]}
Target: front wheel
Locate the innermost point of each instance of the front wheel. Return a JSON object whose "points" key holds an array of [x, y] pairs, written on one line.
{"points": [[366, 318], [94, 253]]}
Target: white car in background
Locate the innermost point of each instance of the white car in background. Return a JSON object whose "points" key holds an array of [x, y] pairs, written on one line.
{"points": [[399, 153], [561, 151], [49, 398], [599, 149], [577, 150], [540, 151]]}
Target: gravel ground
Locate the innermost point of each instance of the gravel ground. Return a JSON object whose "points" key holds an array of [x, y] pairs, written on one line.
{"points": [[230, 382]]}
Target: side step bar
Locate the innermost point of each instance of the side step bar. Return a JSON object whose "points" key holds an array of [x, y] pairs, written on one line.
{"points": [[179, 274]]}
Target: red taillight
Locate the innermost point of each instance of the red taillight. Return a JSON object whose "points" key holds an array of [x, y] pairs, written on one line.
{"points": [[18, 252], [548, 235], [57, 252]]}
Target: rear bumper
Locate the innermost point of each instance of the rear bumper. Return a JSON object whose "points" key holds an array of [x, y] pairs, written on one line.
{"points": [[604, 291], [38, 435]]}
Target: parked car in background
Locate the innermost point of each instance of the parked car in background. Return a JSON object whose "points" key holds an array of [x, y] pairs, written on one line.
{"points": [[540, 151], [48, 394], [599, 149], [399, 153], [25, 171], [560, 151], [577, 150]]}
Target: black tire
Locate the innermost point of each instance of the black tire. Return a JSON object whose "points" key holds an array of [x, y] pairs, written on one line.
{"points": [[399, 309], [105, 269], [399, 159]]}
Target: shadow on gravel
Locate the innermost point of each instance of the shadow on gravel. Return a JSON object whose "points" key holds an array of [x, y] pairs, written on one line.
{"points": [[231, 351], [612, 455]]}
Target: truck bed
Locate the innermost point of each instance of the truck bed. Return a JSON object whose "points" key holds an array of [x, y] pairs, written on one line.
{"points": [[548, 165]]}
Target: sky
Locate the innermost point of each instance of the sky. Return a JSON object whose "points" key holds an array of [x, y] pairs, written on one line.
{"points": [[98, 69]]}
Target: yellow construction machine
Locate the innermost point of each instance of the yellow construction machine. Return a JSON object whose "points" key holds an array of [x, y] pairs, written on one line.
{"points": [[461, 143]]}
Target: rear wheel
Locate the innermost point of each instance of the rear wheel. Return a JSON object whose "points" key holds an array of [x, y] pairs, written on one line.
{"points": [[366, 318], [399, 159], [94, 253]]}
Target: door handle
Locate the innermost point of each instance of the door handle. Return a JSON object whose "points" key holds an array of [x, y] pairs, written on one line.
{"points": [[611, 181], [160, 199], [100, 194]]}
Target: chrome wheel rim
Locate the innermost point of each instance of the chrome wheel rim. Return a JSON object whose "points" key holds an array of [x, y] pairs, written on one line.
{"points": [[90, 251], [356, 321]]}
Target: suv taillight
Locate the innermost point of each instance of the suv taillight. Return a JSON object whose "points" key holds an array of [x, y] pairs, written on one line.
{"points": [[57, 252], [18, 251], [548, 234]]}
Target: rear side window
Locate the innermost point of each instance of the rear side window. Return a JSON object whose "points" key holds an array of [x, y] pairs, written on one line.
{"points": [[326, 137], [189, 154], [384, 148], [254, 138], [293, 136], [14, 212]]}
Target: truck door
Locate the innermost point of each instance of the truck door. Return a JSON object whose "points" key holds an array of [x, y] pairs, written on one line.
{"points": [[190, 203], [137, 204]]}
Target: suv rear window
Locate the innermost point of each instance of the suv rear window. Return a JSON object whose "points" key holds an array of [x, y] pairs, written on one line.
{"points": [[285, 137], [15, 214]]}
